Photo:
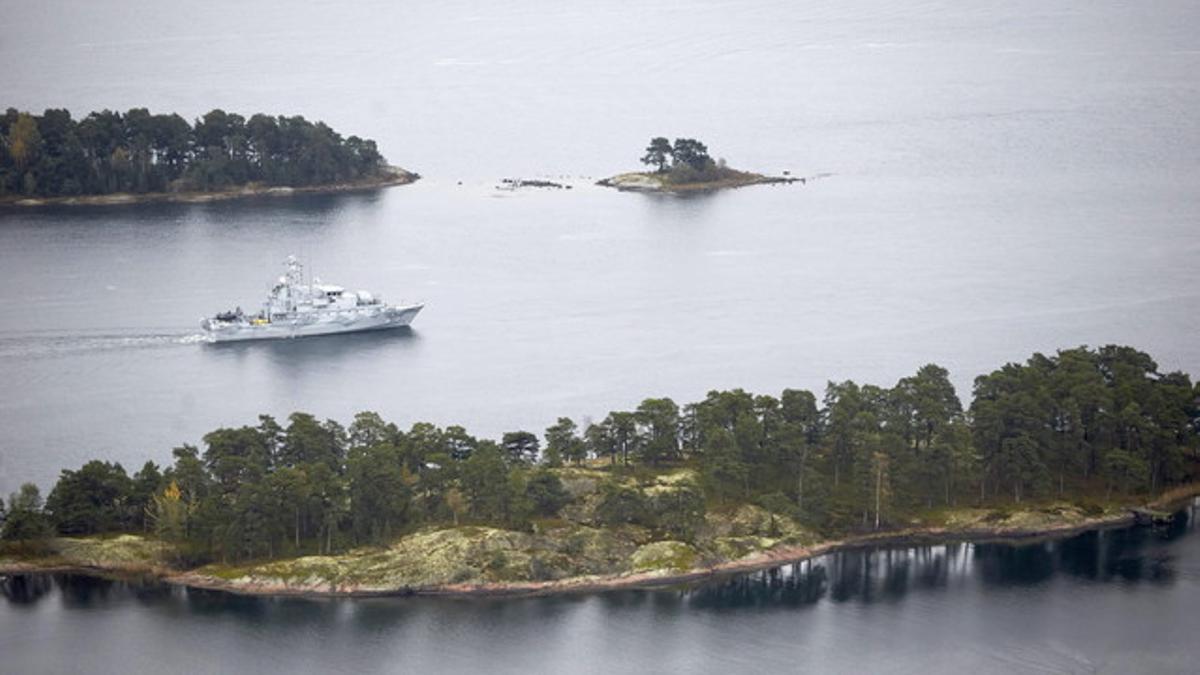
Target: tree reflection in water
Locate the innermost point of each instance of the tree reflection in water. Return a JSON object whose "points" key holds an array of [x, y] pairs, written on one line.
{"points": [[25, 589], [870, 575], [795, 585]]}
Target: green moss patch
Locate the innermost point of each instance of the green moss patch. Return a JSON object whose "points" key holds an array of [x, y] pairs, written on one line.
{"points": [[666, 556]]}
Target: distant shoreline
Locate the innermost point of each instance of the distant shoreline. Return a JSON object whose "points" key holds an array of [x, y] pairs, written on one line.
{"points": [[766, 559], [392, 176]]}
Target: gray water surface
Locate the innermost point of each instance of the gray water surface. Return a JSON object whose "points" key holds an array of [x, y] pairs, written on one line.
{"points": [[1002, 180], [999, 178]]}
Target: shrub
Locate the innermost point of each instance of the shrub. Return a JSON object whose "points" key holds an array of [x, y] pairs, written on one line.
{"points": [[1089, 508], [546, 493], [679, 512], [621, 505]]}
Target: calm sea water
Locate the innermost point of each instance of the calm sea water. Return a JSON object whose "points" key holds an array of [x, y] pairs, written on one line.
{"points": [[1002, 179], [1116, 601]]}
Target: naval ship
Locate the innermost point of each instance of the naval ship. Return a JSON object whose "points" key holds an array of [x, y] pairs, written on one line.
{"points": [[296, 308]]}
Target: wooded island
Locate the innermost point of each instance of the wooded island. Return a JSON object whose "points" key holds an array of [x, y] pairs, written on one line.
{"points": [[145, 157], [660, 492], [685, 166]]}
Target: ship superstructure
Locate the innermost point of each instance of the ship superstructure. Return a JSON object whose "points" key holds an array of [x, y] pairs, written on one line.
{"points": [[298, 308]]}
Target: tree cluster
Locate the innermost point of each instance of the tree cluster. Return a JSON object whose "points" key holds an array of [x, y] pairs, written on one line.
{"points": [[1083, 415], [684, 161], [53, 155], [310, 486], [1076, 424]]}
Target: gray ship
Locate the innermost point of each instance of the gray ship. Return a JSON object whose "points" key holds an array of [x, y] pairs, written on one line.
{"points": [[296, 308]]}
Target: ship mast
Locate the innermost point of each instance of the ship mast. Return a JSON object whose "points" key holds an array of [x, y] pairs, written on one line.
{"points": [[295, 279]]}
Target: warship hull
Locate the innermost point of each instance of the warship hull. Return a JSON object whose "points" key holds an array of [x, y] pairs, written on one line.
{"points": [[311, 324]]}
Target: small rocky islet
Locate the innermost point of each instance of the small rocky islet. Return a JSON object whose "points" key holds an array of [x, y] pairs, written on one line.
{"points": [[686, 166]]}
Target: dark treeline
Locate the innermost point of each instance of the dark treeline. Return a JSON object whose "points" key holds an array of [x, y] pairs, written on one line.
{"points": [[53, 155], [1082, 424]]}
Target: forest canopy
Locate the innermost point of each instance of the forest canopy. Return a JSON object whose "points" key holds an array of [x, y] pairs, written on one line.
{"points": [[106, 152], [1081, 424]]}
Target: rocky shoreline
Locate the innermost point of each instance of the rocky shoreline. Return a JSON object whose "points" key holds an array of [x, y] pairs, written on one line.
{"points": [[475, 561], [784, 555], [781, 555], [392, 176]]}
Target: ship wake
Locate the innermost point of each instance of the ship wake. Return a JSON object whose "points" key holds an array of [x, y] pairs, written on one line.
{"points": [[50, 344]]}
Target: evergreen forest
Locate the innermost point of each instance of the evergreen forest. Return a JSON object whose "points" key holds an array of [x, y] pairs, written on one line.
{"points": [[107, 152], [1083, 424]]}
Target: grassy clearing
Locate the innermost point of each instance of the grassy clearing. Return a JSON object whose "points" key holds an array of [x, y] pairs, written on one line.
{"points": [[440, 557], [114, 552], [1018, 517], [1176, 495]]}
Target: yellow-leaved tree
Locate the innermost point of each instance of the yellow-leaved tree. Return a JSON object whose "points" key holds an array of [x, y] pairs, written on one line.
{"points": [[170, 514]]}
